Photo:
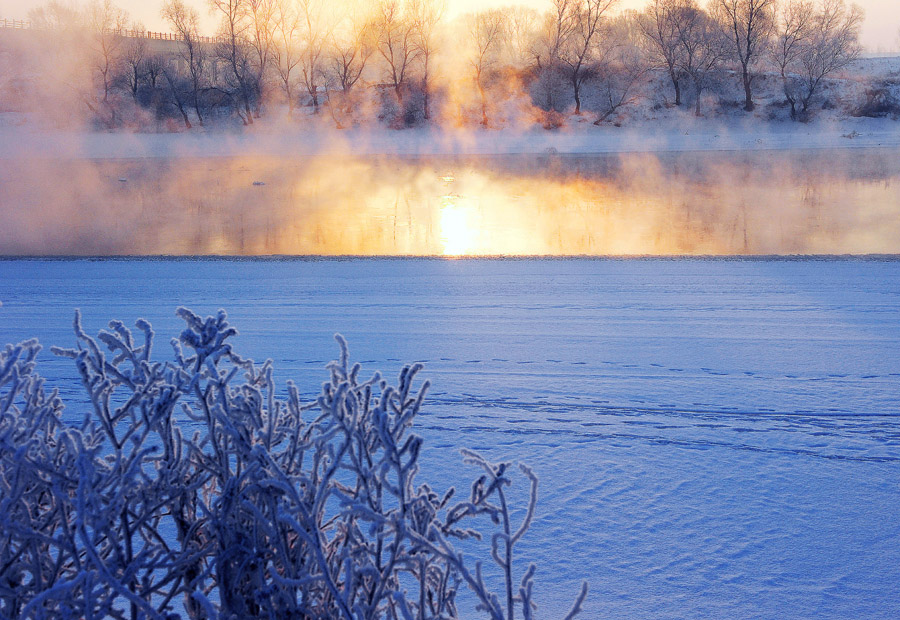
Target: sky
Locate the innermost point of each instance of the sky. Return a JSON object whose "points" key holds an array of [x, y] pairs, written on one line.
{"points": [[879, 32]]}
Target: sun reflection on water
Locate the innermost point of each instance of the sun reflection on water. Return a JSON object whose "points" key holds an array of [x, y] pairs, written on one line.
{"points": [[458, 236], [341, 206]]}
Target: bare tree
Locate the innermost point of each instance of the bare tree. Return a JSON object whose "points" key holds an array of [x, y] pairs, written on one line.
{"points": [[792, 29], [185, 21], [557, 28], [153, 69], [660, 26], [351, 45], [396, 43], [107, 24], [522, 32], [703, 47], [350, 54], [556, 31], [814, 39], [158, 98], [177, 89], [134, 56], [286, 49], [486, 31], [577, 50], [749, 24], [56, 16], [621, 64], [426, 15], [261, 16], [234, 50], [315, 31]]}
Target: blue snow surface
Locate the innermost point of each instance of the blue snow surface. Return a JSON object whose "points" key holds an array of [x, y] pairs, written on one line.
{"points": [[714, 438]]}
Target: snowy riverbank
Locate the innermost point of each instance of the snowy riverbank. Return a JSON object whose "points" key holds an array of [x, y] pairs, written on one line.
{"points": [[687, 134]]}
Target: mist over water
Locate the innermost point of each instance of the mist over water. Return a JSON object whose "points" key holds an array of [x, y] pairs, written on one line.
{"points": [[722, 203]]}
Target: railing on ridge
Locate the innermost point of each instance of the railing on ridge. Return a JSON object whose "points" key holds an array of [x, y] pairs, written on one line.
{"points": [[15, 23], [22, 24]]}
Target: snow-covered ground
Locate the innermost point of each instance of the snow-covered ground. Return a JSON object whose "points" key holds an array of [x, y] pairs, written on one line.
{"points": [[715, 438], [688, 134]]}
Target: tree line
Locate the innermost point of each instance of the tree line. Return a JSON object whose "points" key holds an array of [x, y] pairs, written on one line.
{"points": [[403, 63]]}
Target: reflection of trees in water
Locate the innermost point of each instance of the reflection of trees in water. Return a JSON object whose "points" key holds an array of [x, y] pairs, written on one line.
{"points": [[701, 203]]}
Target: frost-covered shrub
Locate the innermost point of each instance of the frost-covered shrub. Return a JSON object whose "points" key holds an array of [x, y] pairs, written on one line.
{"points": [[189, 487], [880, 102]]}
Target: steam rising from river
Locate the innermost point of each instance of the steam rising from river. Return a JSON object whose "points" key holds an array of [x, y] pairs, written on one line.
{"points": [[719, 203]]}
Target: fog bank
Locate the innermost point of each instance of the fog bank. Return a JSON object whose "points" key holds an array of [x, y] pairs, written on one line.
{"points": [[809, 202]]}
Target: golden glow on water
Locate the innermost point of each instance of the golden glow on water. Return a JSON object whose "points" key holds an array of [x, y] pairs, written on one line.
{"points": [[699, 204]]}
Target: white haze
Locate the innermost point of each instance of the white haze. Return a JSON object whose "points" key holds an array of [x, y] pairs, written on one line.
{"points": [[879, 32]]}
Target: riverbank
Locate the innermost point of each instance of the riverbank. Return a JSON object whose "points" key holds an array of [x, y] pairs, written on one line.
{"points": [[683, 134]]}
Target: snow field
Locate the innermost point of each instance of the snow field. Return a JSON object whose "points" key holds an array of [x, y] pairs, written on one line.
{"points": [[714, 438]]}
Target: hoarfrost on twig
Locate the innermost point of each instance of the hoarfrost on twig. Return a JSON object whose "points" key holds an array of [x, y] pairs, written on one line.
{"points": [[270, 507]]}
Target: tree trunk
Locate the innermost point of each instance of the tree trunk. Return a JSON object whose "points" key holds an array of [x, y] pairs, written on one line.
{"points": [[677, 85], [187, 122], [698, 88], [197, 108], [576, 88], [787, 94], [178, 103], [748, 92]]}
